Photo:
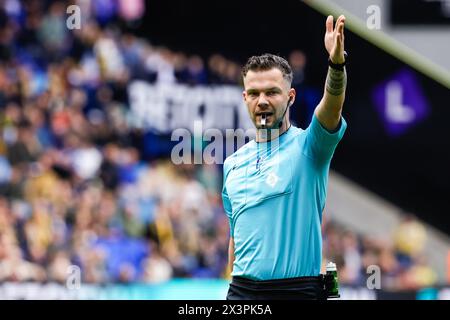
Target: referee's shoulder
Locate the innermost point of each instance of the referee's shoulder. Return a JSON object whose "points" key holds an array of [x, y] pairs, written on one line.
{"points": [[298, 133], [236, 156]]}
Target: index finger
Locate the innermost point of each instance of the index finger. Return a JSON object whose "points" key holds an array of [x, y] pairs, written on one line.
{"points": [[340, 20]]}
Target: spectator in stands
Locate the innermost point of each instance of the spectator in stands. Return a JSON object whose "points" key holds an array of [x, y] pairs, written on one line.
{"points": [[297, 61], [410, 239], [156, 268]]}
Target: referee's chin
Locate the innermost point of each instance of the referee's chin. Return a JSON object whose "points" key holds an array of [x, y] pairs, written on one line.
{"points": [[267, 126], [259, 127]]}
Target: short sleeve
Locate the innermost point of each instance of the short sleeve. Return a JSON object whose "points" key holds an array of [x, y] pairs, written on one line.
{"points": [[321, 143], [227, 207]]}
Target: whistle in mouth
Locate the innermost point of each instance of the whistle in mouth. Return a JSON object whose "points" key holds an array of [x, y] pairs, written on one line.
{"points": [[263, 119]]}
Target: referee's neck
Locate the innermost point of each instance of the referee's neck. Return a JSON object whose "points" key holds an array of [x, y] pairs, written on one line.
{"points": [[265, 135]]}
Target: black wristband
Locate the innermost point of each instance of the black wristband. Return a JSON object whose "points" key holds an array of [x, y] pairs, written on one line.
{"points": [[338, 66]]}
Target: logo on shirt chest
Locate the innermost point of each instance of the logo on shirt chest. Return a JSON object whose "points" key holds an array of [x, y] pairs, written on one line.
{"points": [[272, 179]]}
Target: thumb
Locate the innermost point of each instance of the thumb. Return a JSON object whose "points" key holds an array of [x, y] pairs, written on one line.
{"points": [[329, 24]]}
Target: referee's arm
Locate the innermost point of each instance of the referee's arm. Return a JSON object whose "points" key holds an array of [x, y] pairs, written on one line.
{"points": [[231, 255], [329, 110]]}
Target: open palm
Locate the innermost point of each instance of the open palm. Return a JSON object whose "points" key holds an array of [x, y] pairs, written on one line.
{"points": [[334, 39]]}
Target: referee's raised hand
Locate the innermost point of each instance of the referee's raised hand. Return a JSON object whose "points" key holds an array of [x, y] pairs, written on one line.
{"points": [[334, 39]]}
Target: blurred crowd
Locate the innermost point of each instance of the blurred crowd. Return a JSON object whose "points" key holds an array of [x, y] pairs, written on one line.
{"points": [[75, 187], [398, 258]]}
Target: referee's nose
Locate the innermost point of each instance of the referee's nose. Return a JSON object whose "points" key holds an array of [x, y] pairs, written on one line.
{"points": [[262, 101]]}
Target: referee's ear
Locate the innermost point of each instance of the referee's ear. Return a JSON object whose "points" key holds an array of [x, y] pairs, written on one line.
{"points": [[292, 94]]}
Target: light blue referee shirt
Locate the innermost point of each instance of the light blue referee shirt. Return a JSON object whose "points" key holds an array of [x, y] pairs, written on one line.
{"points": [[274, 194]]}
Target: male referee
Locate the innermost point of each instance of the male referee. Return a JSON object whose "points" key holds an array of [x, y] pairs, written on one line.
{"points": [[275, 186]]}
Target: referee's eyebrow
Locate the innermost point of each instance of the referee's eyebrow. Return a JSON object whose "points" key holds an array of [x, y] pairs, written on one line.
{"points": [[252, 90]]}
